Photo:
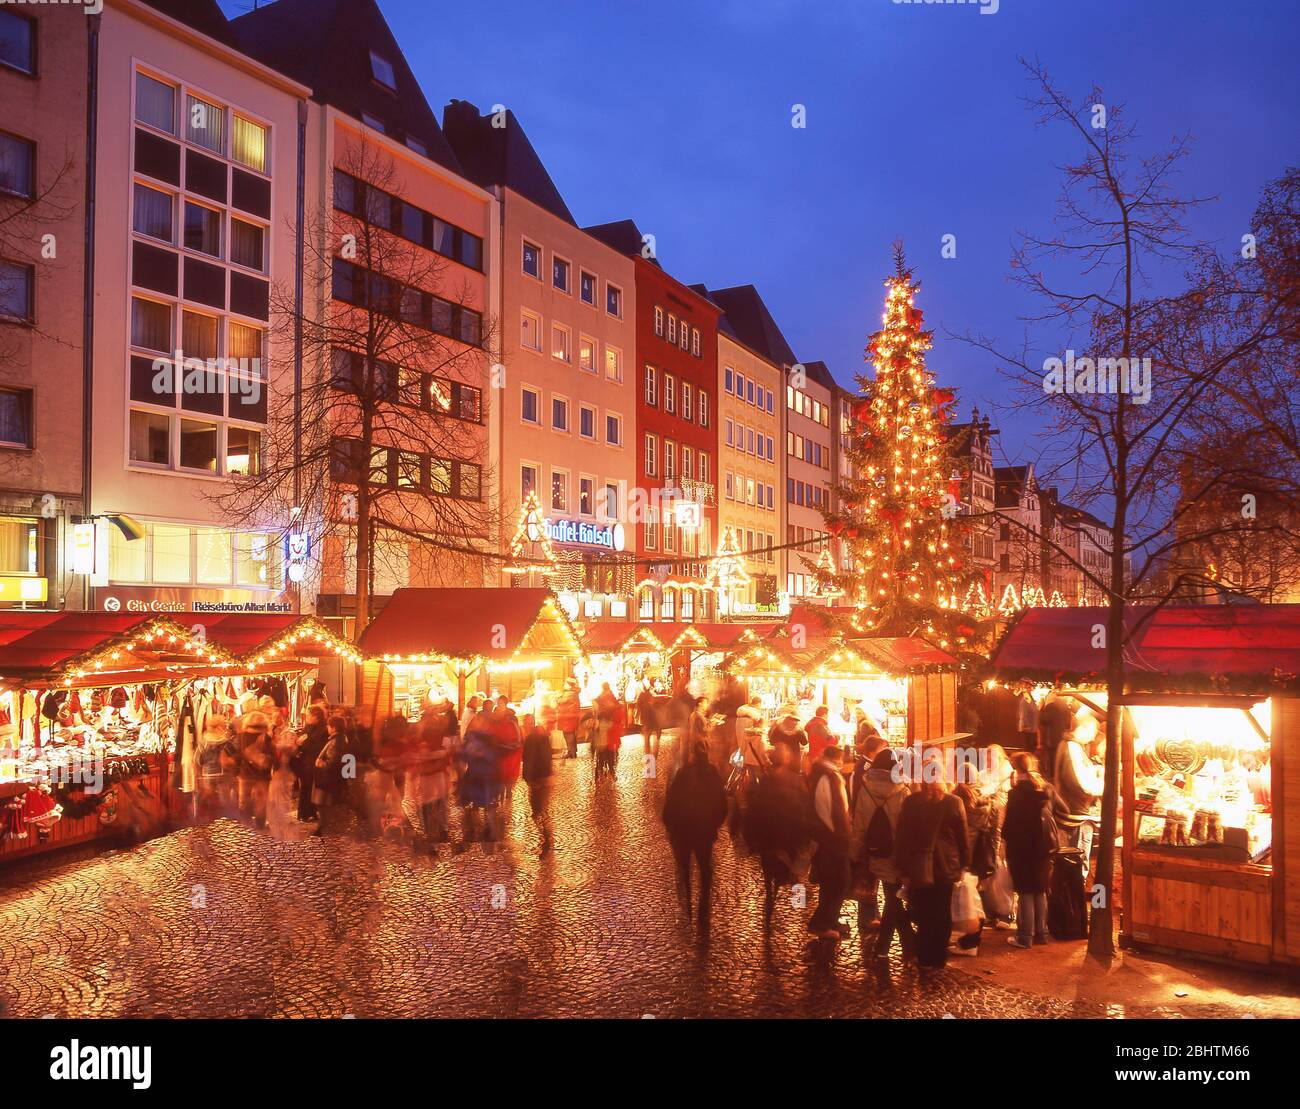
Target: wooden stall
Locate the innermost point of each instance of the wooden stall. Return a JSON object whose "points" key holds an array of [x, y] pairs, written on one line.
{"points": [[1210, 767], [430, 643]]}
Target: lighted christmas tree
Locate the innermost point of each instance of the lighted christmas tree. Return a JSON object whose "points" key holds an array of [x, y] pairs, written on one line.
{"points": [[906, 576]]}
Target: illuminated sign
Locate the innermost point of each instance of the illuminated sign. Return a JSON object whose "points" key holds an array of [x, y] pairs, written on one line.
{"points": [[19, 587], [83, 548], [577, 533], [297, 547]]}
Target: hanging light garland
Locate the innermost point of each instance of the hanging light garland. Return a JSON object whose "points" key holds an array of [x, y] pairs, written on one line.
{"points": [[530, 548]]}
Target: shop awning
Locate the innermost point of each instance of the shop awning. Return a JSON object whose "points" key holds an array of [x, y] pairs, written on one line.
{"points": [[69, 646], [470, 625], [257, 637], [908, 654], [1189, 648]]}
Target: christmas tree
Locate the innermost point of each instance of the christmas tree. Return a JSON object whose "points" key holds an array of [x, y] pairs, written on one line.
{"points": [[894, 515]]}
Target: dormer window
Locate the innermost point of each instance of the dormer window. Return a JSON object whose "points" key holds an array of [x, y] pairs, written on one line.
{"points": [[381, 69], [372, 121]]}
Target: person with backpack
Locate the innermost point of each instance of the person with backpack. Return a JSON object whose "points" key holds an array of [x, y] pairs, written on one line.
{"points": [[877, 803], [1031, 838], [931, 849]]}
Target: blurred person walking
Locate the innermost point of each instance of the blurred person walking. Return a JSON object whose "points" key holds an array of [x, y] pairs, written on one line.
{"points": [[538, 773], [830, 831], [695, 807]]}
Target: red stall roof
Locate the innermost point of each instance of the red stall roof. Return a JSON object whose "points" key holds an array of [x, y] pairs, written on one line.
{"points": [[488, 623], [245, 634], [1246, 648], [905, 654]]}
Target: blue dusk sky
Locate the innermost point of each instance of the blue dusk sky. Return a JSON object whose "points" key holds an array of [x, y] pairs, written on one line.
{"points": [[678, 114]]}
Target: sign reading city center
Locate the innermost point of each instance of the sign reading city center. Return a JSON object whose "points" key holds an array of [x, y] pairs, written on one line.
{"points": [[609, 537]]}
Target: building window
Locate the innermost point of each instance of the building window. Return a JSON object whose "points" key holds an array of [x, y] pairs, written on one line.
{"points": [[614, 430], [155, 103], [530, 331], [373, 122], [587, 353], [18, 42], [586, 421], [17, 166], [248, 144], [151, 213], [704, 471], [532, 260], [672, 328], [704, 409], [670, 394], [659, 320], [205, 124], [587, 287], [560, 274], [151, 325], [726, 484], [529, 480], [684, 337], [731, 431], [243, 451], [560, 414], [16, 285], [246, 245], [651, 455], [559, 491], [670, 460], [150, 438], [607, 509], [613, 363], [686, 401], [560, 342], [586, 496], [381, 69], [688, 462], [646, 602], [202, 229], [530, 405], [651, 387], [199, 335], [16, 418], [614, 300], [770, 402], [695, 341]]}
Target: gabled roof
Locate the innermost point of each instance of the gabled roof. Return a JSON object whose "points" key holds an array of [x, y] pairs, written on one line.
{"points": [[1009, 483], [821, 373], [469, 624], [623, 235], [326, 45], [1188, 648], [751, 322], [492, 155], [204, 16]]}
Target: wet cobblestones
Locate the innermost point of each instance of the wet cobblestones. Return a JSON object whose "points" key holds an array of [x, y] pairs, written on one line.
{"points": [[221, 920]]}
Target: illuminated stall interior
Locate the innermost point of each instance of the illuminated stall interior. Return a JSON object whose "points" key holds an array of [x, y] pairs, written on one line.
{"points": [[1210, 732], [623, 654], [433, 643], [98, 695]]}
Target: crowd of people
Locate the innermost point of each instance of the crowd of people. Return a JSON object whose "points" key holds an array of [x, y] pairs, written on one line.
{"points": [[932, 855]]}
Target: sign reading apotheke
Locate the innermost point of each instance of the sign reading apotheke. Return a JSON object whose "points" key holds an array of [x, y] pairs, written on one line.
{"points": [[609, 537]]}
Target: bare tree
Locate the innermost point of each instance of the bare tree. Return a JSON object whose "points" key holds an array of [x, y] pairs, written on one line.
{"points": [[1146, 370], [380, 446]]}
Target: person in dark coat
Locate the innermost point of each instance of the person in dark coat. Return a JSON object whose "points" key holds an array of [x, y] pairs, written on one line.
{"points": [[311, 742], [538, 771], [776, 827], [694, 808], [1029, 839], [931, 849]]}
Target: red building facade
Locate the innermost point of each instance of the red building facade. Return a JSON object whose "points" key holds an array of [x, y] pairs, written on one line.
{"points": [[673, 510]]}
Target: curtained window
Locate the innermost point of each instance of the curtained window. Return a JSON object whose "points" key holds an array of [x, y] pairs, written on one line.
{"points": [[155, 103]]}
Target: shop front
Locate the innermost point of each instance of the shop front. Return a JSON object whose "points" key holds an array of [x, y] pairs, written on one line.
{"points": [[430, 644], [1210, 766]]}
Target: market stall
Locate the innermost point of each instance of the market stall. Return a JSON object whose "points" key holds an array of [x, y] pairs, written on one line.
{"points": [[906, 687], [1210, 766], [624, 654], [88, 706], [433, 643]]}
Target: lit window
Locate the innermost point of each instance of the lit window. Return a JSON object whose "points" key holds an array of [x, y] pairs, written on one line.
{"points": [[587, 353], [613, 363], [248, 144], [205, 124], [560, 342], [243, 451]]}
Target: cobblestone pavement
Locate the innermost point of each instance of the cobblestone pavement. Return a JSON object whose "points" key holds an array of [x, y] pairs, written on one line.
{"points": [[221, 920]]}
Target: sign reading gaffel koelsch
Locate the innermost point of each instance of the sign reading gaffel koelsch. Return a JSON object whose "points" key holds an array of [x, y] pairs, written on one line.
{"points": [[610, 537]]}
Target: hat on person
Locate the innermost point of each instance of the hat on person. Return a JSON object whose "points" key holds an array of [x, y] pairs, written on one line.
{"points": [[886, 759]]}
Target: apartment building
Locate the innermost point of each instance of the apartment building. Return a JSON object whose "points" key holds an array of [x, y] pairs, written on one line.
{"points": [[568, 311], [1020, 521], [810, 398], [378, 168], [195, 181], [43, 90], [977, 525], [753, 356], [674, 505]]}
